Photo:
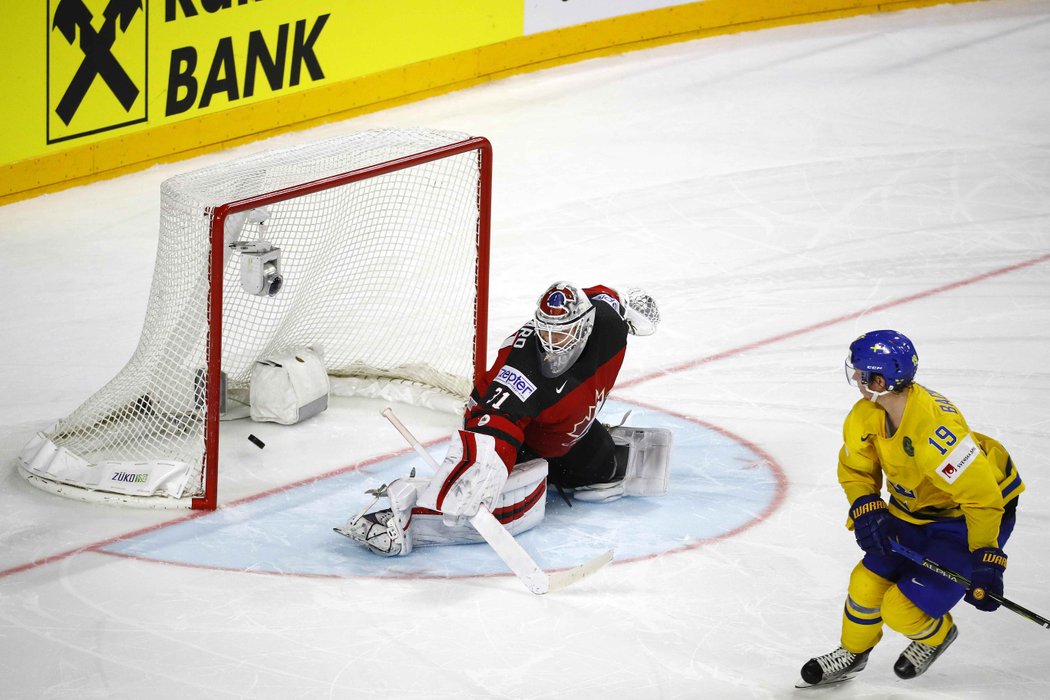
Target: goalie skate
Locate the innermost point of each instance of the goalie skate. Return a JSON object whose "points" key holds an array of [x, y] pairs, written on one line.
{"points": [[373, 530], [385, 531]]}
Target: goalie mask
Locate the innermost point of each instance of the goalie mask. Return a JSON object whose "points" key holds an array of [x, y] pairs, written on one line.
{"points": [[564, 319]]}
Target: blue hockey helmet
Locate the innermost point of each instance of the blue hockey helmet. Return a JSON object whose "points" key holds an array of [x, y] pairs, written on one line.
{"points": [[886, 353]]}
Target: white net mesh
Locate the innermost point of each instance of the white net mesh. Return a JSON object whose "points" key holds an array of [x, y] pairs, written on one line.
{"points": [[381, 274]]}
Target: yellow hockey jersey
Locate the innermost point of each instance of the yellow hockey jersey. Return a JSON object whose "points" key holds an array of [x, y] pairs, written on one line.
{"points": [[934, 466]]}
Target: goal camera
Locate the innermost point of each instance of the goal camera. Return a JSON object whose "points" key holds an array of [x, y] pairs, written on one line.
{"points": [[260, 261], [260, 267]]}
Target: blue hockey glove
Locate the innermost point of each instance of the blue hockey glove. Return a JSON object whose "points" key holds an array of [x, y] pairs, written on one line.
{"points": [[872, 524], [989, 563]]}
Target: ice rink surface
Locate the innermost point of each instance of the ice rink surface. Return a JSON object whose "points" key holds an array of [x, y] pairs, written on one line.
{"points": [[778, 192]]}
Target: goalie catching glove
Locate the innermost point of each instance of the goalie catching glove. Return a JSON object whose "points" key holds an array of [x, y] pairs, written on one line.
{"points": [[640, 312]]}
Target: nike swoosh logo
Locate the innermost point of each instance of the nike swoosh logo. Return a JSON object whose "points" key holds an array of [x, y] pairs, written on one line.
{"points": [[558, 390], [917, 582]]}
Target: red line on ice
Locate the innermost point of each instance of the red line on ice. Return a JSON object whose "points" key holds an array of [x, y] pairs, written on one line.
{"points": [[739, 350]]}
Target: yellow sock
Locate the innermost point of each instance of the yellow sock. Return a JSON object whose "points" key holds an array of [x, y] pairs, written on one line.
{"points": [[906, 617], [862, 615]]}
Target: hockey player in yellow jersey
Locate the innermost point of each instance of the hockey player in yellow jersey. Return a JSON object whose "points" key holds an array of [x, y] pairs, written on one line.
{"points": [[951, 494]]}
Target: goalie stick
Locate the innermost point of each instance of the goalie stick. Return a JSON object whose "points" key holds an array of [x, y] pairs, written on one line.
{"points": [[503, 543], [965, 582]]}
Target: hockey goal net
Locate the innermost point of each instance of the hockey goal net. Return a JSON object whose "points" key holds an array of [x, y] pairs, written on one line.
{"points": [[383, 265]]}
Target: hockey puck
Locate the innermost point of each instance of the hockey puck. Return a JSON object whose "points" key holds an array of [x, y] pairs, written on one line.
{"points": [[256, 441]]}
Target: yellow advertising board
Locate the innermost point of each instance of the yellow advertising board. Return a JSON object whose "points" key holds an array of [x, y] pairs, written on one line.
{"points": [[96, 68], [98, 87]]}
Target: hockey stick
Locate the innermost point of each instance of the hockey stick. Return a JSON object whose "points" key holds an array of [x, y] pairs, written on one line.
{"points": [[965, 582], [503, 543]]}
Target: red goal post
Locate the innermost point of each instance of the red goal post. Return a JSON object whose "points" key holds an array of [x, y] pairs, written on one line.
{"points": [[382, 265]]}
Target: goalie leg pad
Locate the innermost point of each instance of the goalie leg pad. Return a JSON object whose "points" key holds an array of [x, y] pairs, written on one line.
{"points": [[520, 507], [647, 452], [592, 460], [472, 475]]}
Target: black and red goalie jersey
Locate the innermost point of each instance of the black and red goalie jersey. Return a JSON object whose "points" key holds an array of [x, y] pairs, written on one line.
{"points": [[531, 410]]}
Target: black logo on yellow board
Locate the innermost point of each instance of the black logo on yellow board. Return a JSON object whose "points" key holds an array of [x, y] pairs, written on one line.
{"points": [[96, 66]]}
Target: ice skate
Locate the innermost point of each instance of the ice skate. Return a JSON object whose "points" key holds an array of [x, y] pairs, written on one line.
{"points": [[835, 667], [374, 530], [916, 658], [385, 531]]}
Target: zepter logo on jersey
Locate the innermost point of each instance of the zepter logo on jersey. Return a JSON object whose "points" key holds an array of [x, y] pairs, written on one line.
{"points": [[516, 381]]}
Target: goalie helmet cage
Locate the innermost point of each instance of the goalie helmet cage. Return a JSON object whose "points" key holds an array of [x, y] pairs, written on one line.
{"points": [[383, 240]]}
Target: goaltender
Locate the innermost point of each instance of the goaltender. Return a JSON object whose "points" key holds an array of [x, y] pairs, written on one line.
{"points": [[533, 417]]}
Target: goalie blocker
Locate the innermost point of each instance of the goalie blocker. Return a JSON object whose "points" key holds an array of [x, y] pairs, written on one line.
{"points": [[410, 519]]}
